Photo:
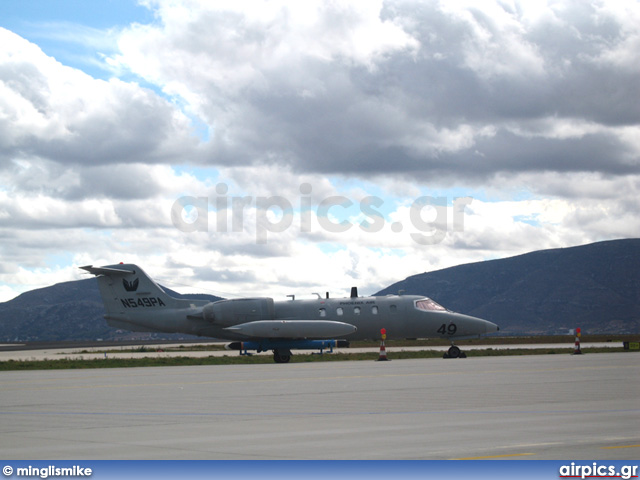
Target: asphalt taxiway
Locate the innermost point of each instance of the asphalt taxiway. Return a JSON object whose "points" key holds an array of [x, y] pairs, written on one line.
{"points": [[529, 407]]}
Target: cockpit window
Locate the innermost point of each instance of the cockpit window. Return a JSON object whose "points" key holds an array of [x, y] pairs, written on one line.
{"points": [[428, 304]]}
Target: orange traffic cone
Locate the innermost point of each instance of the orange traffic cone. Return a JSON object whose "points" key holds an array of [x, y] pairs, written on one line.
{"points": [[383, 352]]}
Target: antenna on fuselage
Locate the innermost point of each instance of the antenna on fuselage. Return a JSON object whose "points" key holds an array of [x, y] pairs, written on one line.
{"points": [[354, 292]]}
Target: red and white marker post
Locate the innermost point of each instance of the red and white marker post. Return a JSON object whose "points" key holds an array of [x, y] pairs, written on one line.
{"points": [[576, 350], [383, 351]]}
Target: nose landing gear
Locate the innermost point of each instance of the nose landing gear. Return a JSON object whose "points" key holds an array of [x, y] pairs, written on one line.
{"points": [[454, 352]]}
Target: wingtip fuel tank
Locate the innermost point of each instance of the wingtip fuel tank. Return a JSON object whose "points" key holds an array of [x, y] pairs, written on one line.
{"points": [[293, 329]]}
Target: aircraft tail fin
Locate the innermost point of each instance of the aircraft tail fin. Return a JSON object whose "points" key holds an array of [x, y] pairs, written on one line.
{"points": [[127, 289]]}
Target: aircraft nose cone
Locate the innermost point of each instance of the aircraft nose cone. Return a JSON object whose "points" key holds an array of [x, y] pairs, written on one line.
{"points": [[468, 325], [491, 327]]}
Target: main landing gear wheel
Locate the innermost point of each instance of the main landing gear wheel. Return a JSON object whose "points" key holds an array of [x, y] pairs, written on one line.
{"points": [[281, 355], [454, 352]]}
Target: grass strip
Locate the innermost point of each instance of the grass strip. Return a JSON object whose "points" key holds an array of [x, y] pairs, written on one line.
{"points": [[235, 359]]}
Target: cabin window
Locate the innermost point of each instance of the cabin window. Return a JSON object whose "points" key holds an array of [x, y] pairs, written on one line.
{"points": [[339, 311], [323, 312], [356, 310], [393, 309], [374, 309]]}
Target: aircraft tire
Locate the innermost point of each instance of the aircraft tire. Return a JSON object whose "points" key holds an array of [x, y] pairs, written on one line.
{"points": [[281, 356], [453, 352]]}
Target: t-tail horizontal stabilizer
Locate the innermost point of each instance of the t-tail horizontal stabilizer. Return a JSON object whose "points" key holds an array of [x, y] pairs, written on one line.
{"points": [[107, 270]]}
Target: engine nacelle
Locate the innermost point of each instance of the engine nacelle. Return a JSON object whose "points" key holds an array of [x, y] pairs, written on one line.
{"points": [[232, 312]]}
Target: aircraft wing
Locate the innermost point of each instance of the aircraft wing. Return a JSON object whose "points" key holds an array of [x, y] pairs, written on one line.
{"points": [[293, 329]]}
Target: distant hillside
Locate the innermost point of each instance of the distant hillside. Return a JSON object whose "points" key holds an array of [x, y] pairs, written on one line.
{"points": [[67, 311], [595, 287]]}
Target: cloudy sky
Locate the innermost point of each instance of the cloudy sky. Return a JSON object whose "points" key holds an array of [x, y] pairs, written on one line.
{"points": [[278, 147]]}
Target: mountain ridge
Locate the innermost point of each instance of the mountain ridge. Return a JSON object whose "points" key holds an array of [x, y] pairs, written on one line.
{"points": [[69, 311], [594, 286]]}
